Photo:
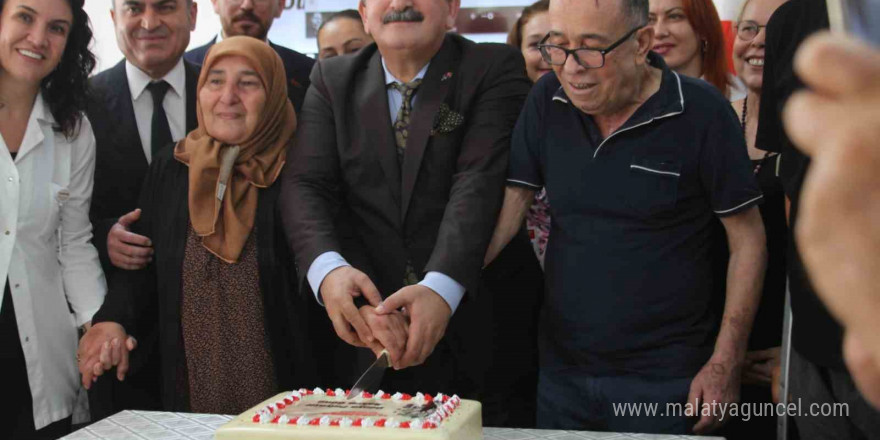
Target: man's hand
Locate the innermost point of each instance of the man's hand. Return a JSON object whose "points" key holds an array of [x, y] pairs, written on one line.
{"points": [[716, 386], [104, 346], [338, 291], [838, 233], [428, 315], [389, 330], [864, 367], [128, 250], [760, 365]]}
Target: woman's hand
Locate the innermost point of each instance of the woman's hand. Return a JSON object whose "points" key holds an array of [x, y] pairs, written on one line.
{"points": [[104, 346], [760, 365]]}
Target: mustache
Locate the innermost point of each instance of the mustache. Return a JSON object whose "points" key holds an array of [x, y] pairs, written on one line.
{"points": [[161, 31], [246, 15], [406, 15]]}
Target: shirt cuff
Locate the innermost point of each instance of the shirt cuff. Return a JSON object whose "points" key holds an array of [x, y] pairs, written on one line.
{"points": [[741, 207], [446, 287], [323, 265], [524, 184]]}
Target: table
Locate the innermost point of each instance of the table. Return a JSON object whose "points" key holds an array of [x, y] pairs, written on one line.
{"points": [[149, 425]]}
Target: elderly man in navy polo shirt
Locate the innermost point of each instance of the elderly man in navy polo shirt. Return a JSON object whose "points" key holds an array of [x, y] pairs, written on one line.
{"points": [[639, 164]]}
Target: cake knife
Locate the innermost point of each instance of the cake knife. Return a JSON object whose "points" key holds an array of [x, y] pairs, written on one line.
{"points": [[371, 378]]}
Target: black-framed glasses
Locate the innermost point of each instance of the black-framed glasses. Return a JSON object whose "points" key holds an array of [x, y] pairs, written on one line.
{"points": [[588, 58], [748, 30]]}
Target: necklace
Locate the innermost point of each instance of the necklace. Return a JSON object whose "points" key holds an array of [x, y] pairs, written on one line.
{"points": [[743, 122]]}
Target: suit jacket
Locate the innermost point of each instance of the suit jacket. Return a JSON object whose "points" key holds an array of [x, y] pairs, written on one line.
{"points": [[296, 65], [301, 343], [344, 191], [120, 163], [439, 209]]}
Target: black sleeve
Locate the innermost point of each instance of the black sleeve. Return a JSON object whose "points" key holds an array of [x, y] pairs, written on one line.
{"points": [[525, 145], [771, 135], [311, 180], [481, 166], [100, 229], [725, 169], [132, 292], [787, 28]]}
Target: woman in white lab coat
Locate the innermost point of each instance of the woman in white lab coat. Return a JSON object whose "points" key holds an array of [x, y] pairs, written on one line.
{"points": [[53, 280]]}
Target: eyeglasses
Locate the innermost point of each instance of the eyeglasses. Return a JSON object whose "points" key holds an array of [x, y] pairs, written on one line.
{"points": [[587, 57], [748, 30]]}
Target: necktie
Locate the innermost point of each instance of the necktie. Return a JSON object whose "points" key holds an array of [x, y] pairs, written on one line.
{"points": [[401, 124], [160, 132], [401, 132]]}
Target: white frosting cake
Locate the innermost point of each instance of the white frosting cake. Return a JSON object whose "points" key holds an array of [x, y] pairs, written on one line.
{"points": [[318, 414]]}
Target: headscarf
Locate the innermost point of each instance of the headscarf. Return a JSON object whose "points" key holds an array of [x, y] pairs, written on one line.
{"points": [[223, 214]]}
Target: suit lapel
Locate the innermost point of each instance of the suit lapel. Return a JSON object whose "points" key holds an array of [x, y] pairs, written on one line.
{"points": [[374, 120], [192, 78], [430, 95], [122, 109]]}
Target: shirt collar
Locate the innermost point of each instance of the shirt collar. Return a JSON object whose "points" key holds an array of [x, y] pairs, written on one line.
{"points": [[138, 80], [669, 99], [390, 79], [41, 111]]}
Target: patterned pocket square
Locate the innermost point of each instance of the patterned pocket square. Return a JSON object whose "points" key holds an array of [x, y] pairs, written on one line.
{"points": [[446, 120]]}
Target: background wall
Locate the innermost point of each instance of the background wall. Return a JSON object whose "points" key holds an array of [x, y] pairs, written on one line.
{"points": [[480, 20]]}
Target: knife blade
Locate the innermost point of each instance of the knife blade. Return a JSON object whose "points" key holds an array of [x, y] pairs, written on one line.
{"points": [[371, 378]]}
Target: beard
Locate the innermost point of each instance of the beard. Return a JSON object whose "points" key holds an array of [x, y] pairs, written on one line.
{"points": [[247, 24]]}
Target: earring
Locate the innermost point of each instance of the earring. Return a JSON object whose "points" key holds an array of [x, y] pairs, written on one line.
{"points": [[705, 45]]}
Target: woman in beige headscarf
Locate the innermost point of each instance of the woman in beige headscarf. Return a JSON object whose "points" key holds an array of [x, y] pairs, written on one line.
{"points": [[222, 284]]}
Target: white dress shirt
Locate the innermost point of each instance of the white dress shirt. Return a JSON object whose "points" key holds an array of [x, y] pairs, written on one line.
{"points": [[174, 103], [47, 257], [450, 290]]}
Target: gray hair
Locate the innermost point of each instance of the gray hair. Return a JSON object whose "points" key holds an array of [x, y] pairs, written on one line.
{"points": [[635, 12]]}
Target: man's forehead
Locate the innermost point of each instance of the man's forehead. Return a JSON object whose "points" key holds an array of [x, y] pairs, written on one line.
{"points": [[148, 2], [585, 6], [596, 20]]}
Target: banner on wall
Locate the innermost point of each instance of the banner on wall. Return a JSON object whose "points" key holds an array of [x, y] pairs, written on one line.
{"points": [[479, 20]]}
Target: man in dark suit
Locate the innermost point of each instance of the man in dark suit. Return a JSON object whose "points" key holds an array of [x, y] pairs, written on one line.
{"points": [[254, 18], [129, 130], [395, 185]]}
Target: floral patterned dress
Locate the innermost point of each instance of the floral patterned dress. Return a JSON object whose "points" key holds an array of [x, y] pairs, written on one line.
{"points": [[538, 224]]}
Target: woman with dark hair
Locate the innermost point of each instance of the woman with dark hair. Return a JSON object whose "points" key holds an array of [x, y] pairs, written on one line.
{"points": [[53, 280], [689, 37], [341, 33], [531, 27], [222, 282]]}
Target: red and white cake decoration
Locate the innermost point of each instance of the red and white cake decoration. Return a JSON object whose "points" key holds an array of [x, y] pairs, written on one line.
{"points": [[421, 411]]}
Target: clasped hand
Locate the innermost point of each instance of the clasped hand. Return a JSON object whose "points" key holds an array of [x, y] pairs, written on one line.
{"points": [[126, 249], [104, 346], [408, 324]]}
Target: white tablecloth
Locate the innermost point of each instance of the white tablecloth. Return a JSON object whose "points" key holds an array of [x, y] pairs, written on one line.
{"points": [[148, 425]]}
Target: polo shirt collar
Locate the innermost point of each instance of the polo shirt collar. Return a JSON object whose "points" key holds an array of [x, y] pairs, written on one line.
{"points": [[668, 101]]}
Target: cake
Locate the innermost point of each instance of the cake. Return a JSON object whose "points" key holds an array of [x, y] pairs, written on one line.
{"points": [[318, 414]]}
